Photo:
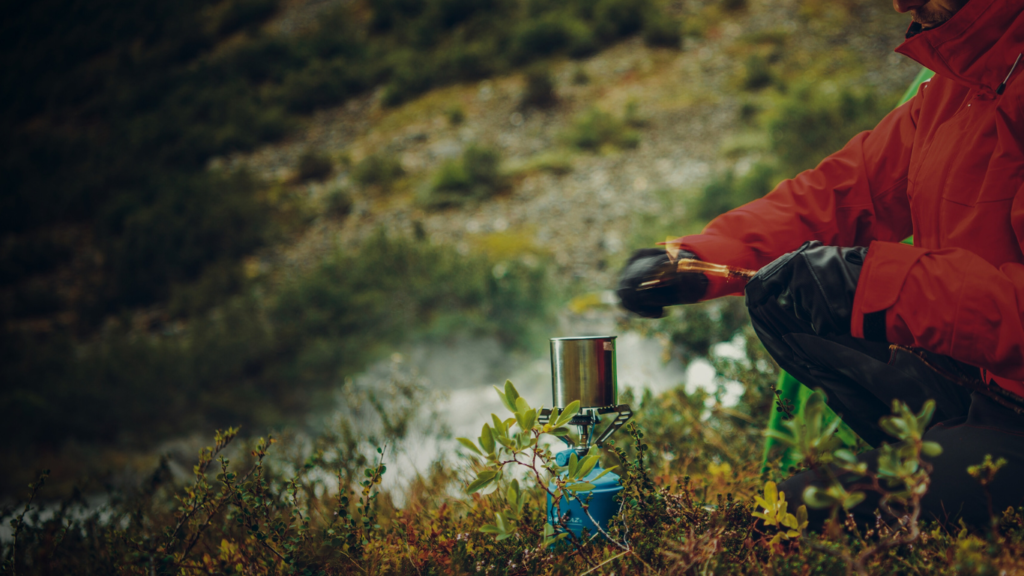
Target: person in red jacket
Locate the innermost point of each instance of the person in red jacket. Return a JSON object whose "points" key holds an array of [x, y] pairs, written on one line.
{"points": [[835, 286]]}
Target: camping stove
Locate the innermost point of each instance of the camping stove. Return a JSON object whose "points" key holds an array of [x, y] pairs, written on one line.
{"points": [[583, 368]]}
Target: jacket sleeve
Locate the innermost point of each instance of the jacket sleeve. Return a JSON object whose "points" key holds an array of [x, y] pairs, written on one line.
{"points": [[950, 302], [853, 197]]}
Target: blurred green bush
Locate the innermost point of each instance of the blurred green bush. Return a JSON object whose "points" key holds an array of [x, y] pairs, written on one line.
{"points": [[596, 128], [540, 88], [815, 122], [380, 169], [313, 165], [614, 19], [473, 177], [337, 201], [456, 114], [728, 190], [663, 30], [757, 73]]}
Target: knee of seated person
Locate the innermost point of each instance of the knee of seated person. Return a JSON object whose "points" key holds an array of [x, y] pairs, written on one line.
{"points": [[795, 487]]}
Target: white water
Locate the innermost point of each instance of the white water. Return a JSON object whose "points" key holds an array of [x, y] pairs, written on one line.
{"points": [[460, 376]]}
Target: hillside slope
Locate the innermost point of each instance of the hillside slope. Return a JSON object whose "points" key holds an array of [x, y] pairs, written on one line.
{"points": [[245, 232]]}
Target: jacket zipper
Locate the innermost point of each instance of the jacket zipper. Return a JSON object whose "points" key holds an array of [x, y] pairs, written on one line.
{"points": [[1002, 86]]}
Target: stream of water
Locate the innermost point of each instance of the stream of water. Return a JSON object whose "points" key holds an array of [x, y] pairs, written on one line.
{"points": [[460, 376]]}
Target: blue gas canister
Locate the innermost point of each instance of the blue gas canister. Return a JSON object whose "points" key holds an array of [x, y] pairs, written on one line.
{"points": [[602, 502]]}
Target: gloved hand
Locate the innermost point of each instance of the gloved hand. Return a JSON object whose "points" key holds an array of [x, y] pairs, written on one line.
{"points": [[652, 264], [816, 284]]}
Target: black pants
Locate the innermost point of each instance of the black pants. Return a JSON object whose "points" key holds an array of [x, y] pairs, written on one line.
{"points": [[862, 378]]}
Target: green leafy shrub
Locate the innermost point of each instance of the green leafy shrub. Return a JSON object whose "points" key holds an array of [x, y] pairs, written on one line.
{"points": [[595, 128], [380, 169], [729, 191], [810, 124], [194, 224], [473, 177], [614, 19], [540, 88], [322, 83], [412, 75], [748, 113], [757, 73], [580, 76], [313, 165], [541, 37], [387, 14], [242, 14], [632, 115], [663, 31], [455, 114], [337, 202]]}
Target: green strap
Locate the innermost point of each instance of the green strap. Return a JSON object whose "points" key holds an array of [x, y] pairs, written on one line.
{"points": [[923, 76], [789, 387]]}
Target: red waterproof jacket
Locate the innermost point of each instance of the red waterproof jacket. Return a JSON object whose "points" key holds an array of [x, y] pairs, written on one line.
{"points": [[947, 167]]}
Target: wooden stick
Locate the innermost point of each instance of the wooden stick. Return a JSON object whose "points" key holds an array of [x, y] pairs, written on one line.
{"points": [[691, 265]]}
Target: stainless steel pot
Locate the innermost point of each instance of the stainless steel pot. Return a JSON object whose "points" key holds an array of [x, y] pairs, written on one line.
{"points": [[583, 368]]}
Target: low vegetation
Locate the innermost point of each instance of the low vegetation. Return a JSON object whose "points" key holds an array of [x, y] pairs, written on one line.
{"points": [[596, 129], [380, 169], [473, 177], [313, 165], [693, 500], [268, 354]]}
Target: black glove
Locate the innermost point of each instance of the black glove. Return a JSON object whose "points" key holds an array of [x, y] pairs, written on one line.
{"points": [[816, 284], [649, 282]]}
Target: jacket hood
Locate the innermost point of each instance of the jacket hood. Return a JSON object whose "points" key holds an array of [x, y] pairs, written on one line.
{"points": [[976, 47]]}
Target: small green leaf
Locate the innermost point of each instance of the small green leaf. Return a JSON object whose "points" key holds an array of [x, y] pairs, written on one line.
{"points": [[846, 455], [522, 405], [790, 521], [553, 416], [487, 439], [551, 541], [529, 419], [602, 473], [567, 414], [931, 449], [782, 435], [482, 479], [563, 431], [817, 498], [504, 400], [512, 494], [801, 517], [771, 494], [573, 464], [925, 416], [501, 522], [469, 445], [580, 487], [511, 393], [499, 425], [852, 499], [587, 465]]}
